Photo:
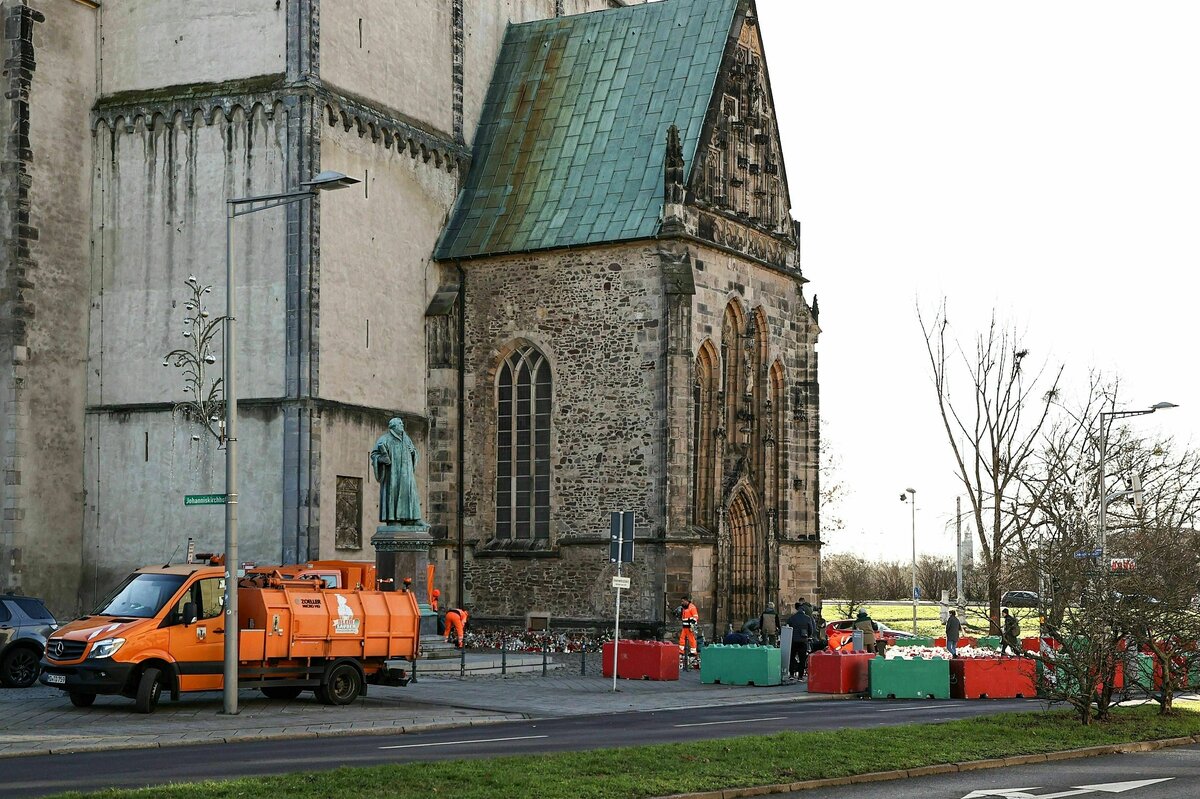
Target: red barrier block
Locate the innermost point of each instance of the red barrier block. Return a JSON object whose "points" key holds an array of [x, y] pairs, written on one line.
{"points": [[993, 678], [642, 660], [961, 642], [838, 673]]}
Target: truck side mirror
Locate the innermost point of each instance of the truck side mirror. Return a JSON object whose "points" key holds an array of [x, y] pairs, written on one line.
{"points": [[189, 613]]}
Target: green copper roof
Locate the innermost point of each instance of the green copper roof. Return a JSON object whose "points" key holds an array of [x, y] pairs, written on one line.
{"points": [[573, 133]]}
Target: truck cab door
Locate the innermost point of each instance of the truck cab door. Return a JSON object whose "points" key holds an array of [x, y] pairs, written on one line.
{"points": [[198, 644]]}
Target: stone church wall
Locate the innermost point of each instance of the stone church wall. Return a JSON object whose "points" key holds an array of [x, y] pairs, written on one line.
{"points": [[721, 278], [148, 44], [43, 293], [376, 241], [596, 315], [398, 55], [139, 466]]}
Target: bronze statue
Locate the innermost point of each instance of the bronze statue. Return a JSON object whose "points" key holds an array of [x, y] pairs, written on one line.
{"points": [[394, 461]]}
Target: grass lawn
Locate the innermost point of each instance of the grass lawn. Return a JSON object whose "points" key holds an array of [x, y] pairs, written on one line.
{"points": [[929, 623], [699, 766]]}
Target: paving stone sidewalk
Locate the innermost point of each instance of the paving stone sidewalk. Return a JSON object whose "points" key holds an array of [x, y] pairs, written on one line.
{"points": [[41, 720]]}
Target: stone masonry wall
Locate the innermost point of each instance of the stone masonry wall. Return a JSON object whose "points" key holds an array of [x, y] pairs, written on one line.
{"points": [[596, 315]]}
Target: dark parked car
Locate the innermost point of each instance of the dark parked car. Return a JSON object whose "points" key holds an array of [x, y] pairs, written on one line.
{"points": [[24, 625], [1020, 599]]}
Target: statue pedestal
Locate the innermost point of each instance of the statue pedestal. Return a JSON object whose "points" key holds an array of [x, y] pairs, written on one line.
{"points": [[402, 550]]}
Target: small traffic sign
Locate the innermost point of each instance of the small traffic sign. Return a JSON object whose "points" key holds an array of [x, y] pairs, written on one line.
{"points": [[620, 582], [1122, 565], [204, 499]]}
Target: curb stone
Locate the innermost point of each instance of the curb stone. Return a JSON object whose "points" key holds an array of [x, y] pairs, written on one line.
{"points": [[941, 768]]}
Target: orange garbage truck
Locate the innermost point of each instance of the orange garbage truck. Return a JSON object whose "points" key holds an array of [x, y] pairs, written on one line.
{"points": [[163, 629]]}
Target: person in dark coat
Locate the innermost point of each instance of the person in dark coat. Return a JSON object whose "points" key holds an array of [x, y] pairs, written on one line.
{"points": [[803, 630], [1010, 637], [768, 625], [953, 633]]}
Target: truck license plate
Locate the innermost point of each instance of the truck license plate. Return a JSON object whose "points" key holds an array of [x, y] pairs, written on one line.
{"points": [[56, 679]]}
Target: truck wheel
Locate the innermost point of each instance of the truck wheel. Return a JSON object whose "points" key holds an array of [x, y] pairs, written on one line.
{"points": [[149, 690], [20, 668], [82, 700], [282, 692], [342, 687]]}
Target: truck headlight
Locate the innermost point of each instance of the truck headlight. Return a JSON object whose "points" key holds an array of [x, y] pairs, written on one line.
{"points": [[106, 648]]}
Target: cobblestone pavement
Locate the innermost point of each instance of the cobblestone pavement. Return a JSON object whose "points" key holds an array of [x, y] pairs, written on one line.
{"points": [[42, 720]]}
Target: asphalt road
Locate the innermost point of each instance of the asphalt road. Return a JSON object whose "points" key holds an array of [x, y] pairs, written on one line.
{"points": [[1165, 774], [47, 774]]}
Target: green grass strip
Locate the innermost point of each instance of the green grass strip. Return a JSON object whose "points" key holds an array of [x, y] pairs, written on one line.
{"points": [[662, 769]]}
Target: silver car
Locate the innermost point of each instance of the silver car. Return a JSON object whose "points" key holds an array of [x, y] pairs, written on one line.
{"points": [[24, 626]]}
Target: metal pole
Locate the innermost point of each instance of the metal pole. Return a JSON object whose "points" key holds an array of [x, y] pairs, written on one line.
{"points": [[1103, 499], [958, 519], [230, 684], [617, 628], [914, 560]]}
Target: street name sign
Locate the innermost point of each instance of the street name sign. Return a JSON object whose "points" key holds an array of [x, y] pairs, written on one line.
{"points": [[203, 499], [620, 582]]}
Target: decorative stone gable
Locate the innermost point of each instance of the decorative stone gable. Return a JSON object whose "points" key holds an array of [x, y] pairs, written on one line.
{"points": [[738, 184]]}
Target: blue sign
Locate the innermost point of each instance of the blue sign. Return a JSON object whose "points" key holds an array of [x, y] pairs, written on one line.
{"points": [[916, 592]]}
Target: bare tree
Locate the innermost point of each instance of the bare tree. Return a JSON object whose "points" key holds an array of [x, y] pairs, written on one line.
{"points": [[993, 428], [848, 581], [893, 580], [935, 575], [1104, 617]]}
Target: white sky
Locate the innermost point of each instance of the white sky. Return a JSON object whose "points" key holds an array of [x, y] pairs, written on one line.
{"points": [[1037, 158]]}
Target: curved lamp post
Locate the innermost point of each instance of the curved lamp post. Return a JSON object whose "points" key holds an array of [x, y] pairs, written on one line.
{"points": [[1104, 498], [911, 494], [235, 207]]}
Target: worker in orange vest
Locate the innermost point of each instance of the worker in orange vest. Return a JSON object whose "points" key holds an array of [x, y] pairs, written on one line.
{"points": [[456, 620], [433, 603], [690, 618]]}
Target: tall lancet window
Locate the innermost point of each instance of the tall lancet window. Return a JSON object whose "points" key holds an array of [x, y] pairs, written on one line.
{"points": [[523, 401]]}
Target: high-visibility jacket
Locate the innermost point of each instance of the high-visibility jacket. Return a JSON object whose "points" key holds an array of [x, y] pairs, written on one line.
{"points": [[690, 616]]}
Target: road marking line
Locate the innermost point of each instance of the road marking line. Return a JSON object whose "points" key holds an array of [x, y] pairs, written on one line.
{"points": [[731, 721], [459, 743], [927, 707]]}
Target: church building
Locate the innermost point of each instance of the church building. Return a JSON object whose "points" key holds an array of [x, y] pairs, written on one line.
{"points": [[570, 269]]}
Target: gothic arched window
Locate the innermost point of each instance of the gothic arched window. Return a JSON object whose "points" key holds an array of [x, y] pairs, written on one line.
{"points": [[523, 394]]}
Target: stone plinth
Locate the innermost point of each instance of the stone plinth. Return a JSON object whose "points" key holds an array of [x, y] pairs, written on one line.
{"points": [[402, 550]]}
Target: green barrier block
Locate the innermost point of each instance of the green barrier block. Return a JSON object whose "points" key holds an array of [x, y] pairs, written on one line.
{"points": [[917, 641], [910, 679], [740, 665], [1141, 673], [988, 642]]}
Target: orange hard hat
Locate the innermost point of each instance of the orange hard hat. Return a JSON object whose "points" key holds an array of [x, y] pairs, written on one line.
{"points": [[437, 592]]}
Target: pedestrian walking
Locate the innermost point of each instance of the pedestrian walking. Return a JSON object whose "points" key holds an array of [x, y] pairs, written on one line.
{"points": [[690, 619], [768, 625], [953, 633], [803, 630], [871, 641], [1010, 634], [456, 624]]}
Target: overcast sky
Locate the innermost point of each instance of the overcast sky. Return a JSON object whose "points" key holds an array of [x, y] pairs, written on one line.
{"points": [[1041, 159]]}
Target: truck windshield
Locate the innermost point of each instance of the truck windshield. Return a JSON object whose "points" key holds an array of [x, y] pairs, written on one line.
{"points": [[141, 595]]}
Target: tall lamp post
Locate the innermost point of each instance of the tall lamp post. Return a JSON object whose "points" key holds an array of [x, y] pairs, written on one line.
{"points": [[241, 206], [910, 495], [1104, 498]]}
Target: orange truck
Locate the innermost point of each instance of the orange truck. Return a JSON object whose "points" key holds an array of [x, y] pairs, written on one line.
{"points": [[306, 627]]}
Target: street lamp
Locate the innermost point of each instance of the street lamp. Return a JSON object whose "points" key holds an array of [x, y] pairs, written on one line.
{"points": [[911, 494], [1104, 498], [241, 206]]}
